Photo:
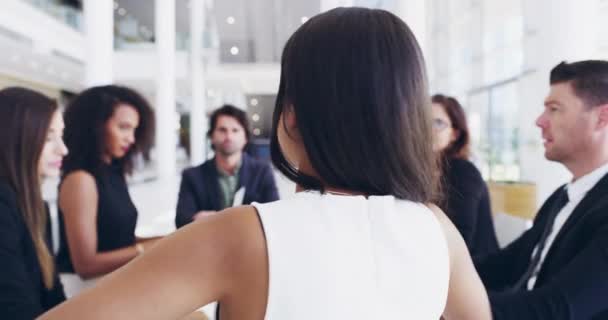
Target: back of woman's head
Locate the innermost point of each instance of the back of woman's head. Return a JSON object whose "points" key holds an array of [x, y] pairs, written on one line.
{"points": [[25, 117], [85, 127], [460, 147], [356, 80]]}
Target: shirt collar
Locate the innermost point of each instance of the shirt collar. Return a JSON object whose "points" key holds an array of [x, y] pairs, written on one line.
{"points": [[226, 174], [579, 188]]}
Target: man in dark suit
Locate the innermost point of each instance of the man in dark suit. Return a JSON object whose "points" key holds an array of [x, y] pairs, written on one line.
{"points": [[558, 269], [214, 185]]}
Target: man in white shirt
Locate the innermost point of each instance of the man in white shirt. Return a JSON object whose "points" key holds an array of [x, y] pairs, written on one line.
{"points": [[558, 269]]}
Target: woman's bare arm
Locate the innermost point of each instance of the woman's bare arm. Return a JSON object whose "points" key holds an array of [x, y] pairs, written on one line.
{"points": [[206, 261], [467, 297], [78, 199]]}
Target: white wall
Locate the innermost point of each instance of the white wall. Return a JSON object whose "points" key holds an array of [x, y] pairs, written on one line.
{"points": [[36, 47], [136, 67], [45, 31], [474, 44]]}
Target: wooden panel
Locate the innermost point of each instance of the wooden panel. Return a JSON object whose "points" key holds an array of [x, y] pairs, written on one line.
{"points": [[516, 199]]}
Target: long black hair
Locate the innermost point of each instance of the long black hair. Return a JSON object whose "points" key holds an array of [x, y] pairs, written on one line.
{"points": [[356, 80]]}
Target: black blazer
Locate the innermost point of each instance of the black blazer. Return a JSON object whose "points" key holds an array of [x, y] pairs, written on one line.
{"points": [[22, 291], [200, 189], [573, 280], [467, 204]]}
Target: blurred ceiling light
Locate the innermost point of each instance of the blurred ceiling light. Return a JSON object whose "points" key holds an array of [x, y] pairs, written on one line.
{"points": [[115, 5], [254, 102], [304, 19], [234, 50], [255, 117], [257, 131], [230, 20], [122, 11]]}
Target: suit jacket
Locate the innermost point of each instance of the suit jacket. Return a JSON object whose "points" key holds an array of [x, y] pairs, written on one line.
{"points": [[468, 206], [573, 280], [200, 189], [22, 291]]}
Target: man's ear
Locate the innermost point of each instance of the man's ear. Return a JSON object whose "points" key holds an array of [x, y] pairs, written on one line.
{"points": [[602, 116]]}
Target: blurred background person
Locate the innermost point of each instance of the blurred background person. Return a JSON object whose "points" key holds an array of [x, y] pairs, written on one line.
{"points": [[105, 128], [31, 148], [230, 178], [466, 198]]}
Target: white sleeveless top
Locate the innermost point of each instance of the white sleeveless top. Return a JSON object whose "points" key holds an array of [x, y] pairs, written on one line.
{"points": [[351, 257]]}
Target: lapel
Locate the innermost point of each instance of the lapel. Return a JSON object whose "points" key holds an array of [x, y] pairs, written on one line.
{"points": [[582, 209], [245, 175], [543, 217], [209, 178]]}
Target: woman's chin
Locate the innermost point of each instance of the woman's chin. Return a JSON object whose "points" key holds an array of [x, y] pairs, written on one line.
{"points": [[50, 173]]}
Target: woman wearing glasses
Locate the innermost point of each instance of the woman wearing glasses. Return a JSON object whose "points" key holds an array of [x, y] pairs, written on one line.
{"points": [[466, 202]]}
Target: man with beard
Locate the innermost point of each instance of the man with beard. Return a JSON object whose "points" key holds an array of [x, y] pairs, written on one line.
{"points": [[558, 269], [213, 185]]}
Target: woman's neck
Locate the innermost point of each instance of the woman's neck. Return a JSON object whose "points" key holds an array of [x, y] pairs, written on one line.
{"points": [[107, 159], [334, 190]]}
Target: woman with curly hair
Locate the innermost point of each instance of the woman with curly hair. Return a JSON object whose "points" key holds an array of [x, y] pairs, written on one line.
{"points": [[105, 128]]}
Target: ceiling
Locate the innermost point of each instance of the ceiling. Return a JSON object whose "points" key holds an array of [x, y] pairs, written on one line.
{"points": [[258, 28]]}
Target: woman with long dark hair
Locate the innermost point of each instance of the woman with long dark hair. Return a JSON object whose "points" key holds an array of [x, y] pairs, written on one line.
{"points": [[31, 148], [105, 128], [358, 240], [467, 201]]}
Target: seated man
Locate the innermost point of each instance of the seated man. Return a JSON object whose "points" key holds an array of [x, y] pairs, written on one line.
{"points": [[558, 269], [213, 185]]}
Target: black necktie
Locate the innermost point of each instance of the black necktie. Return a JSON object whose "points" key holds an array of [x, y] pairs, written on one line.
{"points": [[560, 202]]}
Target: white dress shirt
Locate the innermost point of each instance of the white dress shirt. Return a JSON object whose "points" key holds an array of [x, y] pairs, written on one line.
{"points": [[576, 192]]}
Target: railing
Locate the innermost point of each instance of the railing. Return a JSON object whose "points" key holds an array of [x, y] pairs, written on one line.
{"points": [[69, 15], [131, 34], [129, 39]]}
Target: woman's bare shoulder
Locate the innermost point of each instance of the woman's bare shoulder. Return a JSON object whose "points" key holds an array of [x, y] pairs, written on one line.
{"points": [[235, 234], [78, 180]]}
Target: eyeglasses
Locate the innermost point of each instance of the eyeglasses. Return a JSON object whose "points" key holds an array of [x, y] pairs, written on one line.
{"points": [[440, 124]]}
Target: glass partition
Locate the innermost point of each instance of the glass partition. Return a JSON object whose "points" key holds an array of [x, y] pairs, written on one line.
{"points": [[493, 118]]}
